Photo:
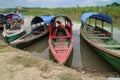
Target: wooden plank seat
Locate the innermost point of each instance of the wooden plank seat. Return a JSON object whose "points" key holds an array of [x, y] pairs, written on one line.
{"points": [[90, 37], [116, 51], [96, 34], [93, 31], [110, 46], [37, 32], [61, 44], [61, 36], [61, 48]]}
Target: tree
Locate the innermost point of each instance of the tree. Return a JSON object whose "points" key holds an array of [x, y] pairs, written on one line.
{"points": [[114, 4], [18, 8]]}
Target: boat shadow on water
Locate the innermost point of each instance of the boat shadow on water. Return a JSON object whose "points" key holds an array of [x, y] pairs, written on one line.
{"points": [[38, 46]]}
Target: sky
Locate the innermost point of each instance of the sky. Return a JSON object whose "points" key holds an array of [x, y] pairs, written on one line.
{"points": [[53, 3]]}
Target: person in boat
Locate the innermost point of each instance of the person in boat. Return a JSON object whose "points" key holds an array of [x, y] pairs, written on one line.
{"points": [[19, 20], [60, 26], [8, 22], [14, 19]]}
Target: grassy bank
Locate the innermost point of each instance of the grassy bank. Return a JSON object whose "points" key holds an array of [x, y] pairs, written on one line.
{"points": [[73, 12]]}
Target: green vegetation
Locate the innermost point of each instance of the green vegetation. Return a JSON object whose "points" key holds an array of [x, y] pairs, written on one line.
{"points": [[2, 45], [114, 4], [27, 62], [68, 77], [74, 13]]}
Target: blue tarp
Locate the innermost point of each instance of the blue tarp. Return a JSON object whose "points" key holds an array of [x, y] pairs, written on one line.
{"points": [[85, 16], [99, 16], [2, 18], [15, 15], [38, 19], [46, 19], [2, 15]]}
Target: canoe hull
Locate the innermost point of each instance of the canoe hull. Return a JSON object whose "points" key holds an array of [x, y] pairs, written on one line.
{"points": [[24, 43], [113, 60], [61, 58], [61, 38], [14, 37], [28, 39]]}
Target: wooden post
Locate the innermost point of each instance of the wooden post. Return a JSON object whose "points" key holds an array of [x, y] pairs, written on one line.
{"points": [[112, 30], [102, 24], [89, 20], [95, 22]]}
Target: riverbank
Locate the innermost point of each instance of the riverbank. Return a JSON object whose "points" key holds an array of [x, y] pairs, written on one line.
{"points": [[16, 64]]}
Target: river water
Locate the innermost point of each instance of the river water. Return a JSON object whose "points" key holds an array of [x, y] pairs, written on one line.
{"points": [[82, 56]]}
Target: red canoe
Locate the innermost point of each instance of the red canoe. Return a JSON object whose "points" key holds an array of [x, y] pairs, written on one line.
{"points": [[61, 39]]}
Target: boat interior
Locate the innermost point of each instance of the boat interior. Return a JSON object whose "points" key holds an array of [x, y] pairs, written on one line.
{"points": [[102, 38], [39, 28], [15, 26], [61, 40]]}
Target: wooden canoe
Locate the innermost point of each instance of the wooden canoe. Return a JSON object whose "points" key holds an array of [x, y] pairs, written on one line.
{"points": [[100, 39], [61, 41], [14, 27], [40, 28]]}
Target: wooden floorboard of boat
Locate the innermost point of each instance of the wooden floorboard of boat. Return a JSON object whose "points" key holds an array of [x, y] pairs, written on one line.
{"points": [[61, 45], [95, 38], [110, 46], [98, 41]]}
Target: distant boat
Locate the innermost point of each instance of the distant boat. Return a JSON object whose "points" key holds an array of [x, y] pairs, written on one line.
{"points": [[2, 20], [40, 27], [99, 38], [61, 40], [14, 27]]}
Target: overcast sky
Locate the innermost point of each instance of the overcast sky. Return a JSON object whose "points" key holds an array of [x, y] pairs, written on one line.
{"points": [[53, 3]]}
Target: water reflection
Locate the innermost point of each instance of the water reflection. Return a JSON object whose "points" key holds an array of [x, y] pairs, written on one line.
{"points": [[38, 46], [116, 23], [70, 59], [76, 62], [91, 60]]}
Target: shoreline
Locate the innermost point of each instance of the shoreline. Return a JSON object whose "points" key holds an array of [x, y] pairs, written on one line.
{"points": [[16, 64]]}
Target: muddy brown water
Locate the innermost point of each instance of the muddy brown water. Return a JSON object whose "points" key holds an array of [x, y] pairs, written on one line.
{"points": [[82, 56]]}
